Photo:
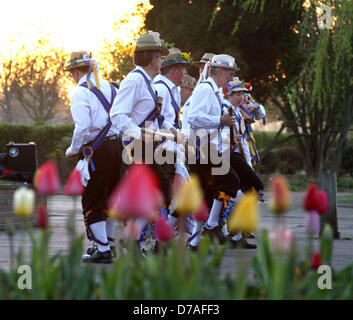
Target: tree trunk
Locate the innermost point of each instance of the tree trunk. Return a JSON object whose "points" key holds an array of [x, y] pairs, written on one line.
{"points": [[328, 183]]}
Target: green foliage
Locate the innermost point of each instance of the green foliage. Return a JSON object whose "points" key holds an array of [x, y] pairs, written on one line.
{"points": [[51, 142]]}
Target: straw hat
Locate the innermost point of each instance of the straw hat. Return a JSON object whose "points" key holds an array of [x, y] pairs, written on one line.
{"points": [[188, 82], [235, 85], [150, 42], [175, 56], [205, 58], [224, 61], [77, 59]]}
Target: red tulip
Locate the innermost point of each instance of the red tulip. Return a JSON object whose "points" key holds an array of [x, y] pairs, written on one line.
{"points": [[311, 200], [202, 214], [46, 179], [137, 194], [316, 260], [42, 217], [164, 231], [74, 186], [323, 205]]}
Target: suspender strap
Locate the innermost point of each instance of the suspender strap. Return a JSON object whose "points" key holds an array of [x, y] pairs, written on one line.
{"points": [[217, 95], [176, 107], [90, 147], [156, 112]]}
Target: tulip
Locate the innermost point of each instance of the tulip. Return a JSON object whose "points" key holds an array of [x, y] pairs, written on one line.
{"points": [[313, 222], [46, 179], [281, 240], [164, 231], [189, 196], [323, 205], [23, 202], [202, 213], [311, 199], [281, 195], [42, 217], [244, 217], [316, 260], [137, 195], [73, 186], [131, 230]]}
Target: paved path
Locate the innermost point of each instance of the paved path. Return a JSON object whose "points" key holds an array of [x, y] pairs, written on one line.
{"points": [[60, 207]]}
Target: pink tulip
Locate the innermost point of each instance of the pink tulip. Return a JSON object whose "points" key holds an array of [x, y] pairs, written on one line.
{"points": [[42, 217], [281, 239], [73, 186], [202, 214], [313, 222], [46, 179], [137, 195], [164, 231], [323, 205], [132, 230]]}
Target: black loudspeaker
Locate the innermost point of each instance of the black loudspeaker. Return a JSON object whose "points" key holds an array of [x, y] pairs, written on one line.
{"points": [[21, 157]]}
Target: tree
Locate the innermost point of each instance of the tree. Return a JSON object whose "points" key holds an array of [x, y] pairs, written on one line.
{"points": [[42, 83], [9, 73], [116, 58]]}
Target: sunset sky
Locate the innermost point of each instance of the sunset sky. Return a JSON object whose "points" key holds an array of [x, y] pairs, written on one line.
{"points": [[72, 24]]}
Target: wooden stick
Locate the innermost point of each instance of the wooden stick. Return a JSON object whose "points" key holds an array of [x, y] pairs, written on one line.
{"points": [[232, 138]]}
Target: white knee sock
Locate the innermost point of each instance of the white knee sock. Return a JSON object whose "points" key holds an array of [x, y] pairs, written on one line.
{"points": [[99, 231], [110, 227], [237, 236], [240, 195], [197, 228], [225, 230], [172, 220], [214, 214]]}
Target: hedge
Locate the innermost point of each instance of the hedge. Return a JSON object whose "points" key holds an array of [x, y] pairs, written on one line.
{"points": [[51, 142]]}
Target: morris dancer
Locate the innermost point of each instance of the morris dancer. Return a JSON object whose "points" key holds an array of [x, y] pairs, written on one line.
{"points": [[173, 71], [137, 106], [97, 141], [206, 113]]}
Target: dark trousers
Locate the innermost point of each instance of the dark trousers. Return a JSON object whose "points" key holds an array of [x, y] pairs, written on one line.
{"points": [[107, 162], [247, 176]]}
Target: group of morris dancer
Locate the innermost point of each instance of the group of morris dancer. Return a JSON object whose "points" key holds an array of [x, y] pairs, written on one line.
{"points": [[213, 115]]}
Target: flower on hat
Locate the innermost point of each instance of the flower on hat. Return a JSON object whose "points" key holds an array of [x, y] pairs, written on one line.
{"points": [[46, 179], [187, 56], [23, 202]]}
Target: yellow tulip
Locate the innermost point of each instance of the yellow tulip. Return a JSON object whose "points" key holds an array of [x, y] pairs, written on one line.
{"points": [[23, 202], [245, 215], [189, 196]]}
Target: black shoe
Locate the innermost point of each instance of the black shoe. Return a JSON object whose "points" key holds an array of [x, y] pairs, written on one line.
{"points": [[242, 243], [91, 250], [98, 257], [193, 248], [215, 232]]}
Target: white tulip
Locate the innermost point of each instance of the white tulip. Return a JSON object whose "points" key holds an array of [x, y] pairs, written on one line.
{"points": [[23, 202]]}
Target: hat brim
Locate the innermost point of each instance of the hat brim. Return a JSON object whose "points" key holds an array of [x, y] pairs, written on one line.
{"points": [[224, 67], [163, 50], [81, 64], [240, 90], [174, 63]]}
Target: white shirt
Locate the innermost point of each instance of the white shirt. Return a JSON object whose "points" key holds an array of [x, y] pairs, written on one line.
{"points": [[133, 103], [185, 124], [88, 114], [167, 108], [205, 110]]}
